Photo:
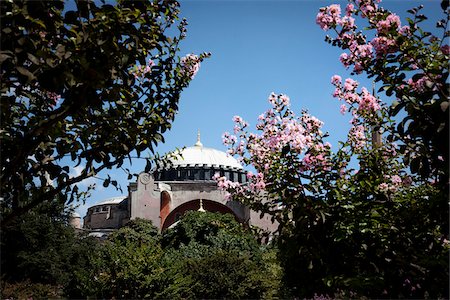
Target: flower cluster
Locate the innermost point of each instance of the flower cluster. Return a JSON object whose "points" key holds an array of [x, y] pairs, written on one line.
{"points": [[190, 65], [140, 71], [391, 22], [361, 50], [363, 104], [287, 145], [329, 17], [391, 184]]}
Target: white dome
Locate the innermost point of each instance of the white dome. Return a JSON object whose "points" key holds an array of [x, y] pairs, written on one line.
{"points": [[114, 200], [199, 155]]}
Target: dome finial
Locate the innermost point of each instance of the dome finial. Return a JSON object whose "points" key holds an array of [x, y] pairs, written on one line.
{"points": [[201, 206], [198, 144]]}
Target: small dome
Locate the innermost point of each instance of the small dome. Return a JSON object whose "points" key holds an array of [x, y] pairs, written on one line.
{"points": [[113, 200], [199, 155]]}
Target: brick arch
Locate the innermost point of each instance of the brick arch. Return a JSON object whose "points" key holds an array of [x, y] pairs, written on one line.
{"points": [[208, 205], [165, 206]]}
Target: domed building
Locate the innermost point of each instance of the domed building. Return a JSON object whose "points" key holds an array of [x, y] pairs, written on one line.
{"points": [[184, 184]]}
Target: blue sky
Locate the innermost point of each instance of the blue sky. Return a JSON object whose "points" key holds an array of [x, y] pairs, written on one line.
{"points": [[257, 47]]}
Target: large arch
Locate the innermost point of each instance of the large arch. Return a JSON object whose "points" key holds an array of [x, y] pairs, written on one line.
{"points": [[208, 205]]}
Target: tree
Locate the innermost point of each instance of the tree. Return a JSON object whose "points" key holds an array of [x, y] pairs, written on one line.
{"points": [[83, 86], [42, 251], [210, 255], [342, 231], [205, 256], [412, 65], [126, 265]]}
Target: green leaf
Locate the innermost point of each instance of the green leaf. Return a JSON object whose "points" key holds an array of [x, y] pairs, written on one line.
{"points": [[30, 76]]}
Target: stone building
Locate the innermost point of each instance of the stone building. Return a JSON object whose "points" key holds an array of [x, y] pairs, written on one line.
{"points": [[165, 194]]}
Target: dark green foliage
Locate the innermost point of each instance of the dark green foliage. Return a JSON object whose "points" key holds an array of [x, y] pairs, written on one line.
{"points": [[217, 258], [212, 230], [376, 249], [127, 265], [205, 256], [41, 248]]}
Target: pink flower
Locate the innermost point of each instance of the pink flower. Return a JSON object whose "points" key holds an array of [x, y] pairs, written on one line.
{"points": [[349, 9], [405, 30], [329, 17], [384, 45], [228, 139], [348, 23], [383, 187], [343, 109], [190, 65], [344, 59], [337, 92], [367, 8], [368, 103], [396, 179], [445, 49], [357, 137], [392, 22], [350, 85], [419, 85], [336, 79], [284, 100]]}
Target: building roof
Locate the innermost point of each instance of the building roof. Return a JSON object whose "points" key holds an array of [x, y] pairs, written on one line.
{"points": [[203, 156], [113, 200]]}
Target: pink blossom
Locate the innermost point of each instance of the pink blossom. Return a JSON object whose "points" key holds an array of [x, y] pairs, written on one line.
{"points": [[351, 98], [141, 70], [349, 9], [384, 45], [367, 8], [337, 92], [383, 187], [368, 103], [336, 79], [350, 85], [419, 85], [357, 137], [405, 30], [190, 65], [348, 23], [344, 59], [285, 100], [445, 49], [395, 179], [228, 139], [392, 22], [343, 109], [329, 17]]}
